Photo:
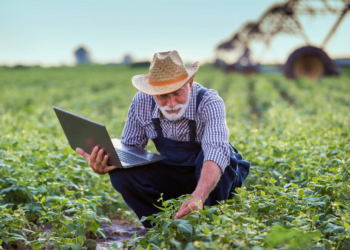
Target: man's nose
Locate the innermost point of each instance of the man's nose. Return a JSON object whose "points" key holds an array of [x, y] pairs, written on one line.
{"points": [[171, 101]]}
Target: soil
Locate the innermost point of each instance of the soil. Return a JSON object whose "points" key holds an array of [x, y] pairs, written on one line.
{"points": [[119, 231]]}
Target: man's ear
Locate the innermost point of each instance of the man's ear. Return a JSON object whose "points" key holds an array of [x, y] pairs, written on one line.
{"points": [[191, 83]]}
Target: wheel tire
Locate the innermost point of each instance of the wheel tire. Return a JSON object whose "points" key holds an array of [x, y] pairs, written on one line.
{"points": [[308, 67], [309, 62]]}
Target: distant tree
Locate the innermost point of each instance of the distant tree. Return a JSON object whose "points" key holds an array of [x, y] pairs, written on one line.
{"points": [[82, 56], [140, 64]]}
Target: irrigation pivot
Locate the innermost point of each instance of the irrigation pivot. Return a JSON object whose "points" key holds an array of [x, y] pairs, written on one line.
{"points": [[282, 18]]}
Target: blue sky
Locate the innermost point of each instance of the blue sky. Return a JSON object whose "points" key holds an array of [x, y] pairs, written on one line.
{"points": [[46, 32]]}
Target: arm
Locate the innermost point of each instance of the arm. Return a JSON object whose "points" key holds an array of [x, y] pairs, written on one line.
{"points": [[216, 156], [134, 133], [215, 143], [210, 176]]}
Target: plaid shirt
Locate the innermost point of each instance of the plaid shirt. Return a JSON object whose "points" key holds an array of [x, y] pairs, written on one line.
{"points": [[211, 132]]}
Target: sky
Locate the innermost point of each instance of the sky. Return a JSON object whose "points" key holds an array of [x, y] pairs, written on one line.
{"points": [[45, 32]]}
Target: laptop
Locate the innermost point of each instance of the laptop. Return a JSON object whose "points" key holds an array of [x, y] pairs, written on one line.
{"points": [[86, 134]]}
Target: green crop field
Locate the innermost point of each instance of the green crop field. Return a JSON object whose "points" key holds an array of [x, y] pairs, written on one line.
{"points": [[296, 134]]}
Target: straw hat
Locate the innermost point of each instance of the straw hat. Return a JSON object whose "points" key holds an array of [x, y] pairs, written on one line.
{"points": [[167, 73]]}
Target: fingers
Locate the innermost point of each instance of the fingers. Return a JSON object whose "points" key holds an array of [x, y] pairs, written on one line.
{"points": [[99, 157], [183, 212], [83, 153], [187, 207], [97, 161], [109, 168], [184, 205], [105, 160], [93, 156]]}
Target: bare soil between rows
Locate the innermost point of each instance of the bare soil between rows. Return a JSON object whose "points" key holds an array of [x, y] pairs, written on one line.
{"points": [[119, 231]]}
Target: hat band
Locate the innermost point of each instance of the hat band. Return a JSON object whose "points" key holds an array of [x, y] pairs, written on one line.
{"points": [[175, 80]]}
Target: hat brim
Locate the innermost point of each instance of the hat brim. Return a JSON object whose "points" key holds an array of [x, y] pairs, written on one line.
{"points": [[141, 82]]}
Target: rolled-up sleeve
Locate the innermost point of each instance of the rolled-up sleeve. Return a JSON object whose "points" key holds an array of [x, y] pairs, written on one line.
{"points": [[215, 143], [133, 133]]}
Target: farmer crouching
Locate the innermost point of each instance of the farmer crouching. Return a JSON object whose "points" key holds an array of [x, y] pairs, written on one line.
{"points": [[187, 124]]}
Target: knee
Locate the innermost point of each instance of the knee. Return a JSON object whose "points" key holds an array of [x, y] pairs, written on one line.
{"points": [[118, 179]]}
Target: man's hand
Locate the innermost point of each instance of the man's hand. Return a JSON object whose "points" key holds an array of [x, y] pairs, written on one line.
{"points": [[189, 205], [210, 175], [96, 160]]}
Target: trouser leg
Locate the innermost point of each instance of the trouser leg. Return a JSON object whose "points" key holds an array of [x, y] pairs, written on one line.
{"points": [[141, 186]]}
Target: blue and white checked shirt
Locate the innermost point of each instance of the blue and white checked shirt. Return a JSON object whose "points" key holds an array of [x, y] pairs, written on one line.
{"points": [[212, 131]]}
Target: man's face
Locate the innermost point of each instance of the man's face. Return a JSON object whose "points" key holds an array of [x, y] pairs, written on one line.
{"points": [[174, 104]]}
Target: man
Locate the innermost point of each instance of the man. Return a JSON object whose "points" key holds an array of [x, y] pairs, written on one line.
{"points": [[187, 124]]}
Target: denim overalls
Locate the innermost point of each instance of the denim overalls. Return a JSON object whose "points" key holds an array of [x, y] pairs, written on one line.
{"points": [[177, 175]]}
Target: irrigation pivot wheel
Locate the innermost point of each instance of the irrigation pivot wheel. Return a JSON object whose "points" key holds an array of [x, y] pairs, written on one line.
{"points": [[309, 62], [308, 67]]}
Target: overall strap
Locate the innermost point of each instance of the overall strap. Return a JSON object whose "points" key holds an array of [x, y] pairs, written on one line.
{"points": [[153, 105], [200, 95], [192, 123], [156, 122]]}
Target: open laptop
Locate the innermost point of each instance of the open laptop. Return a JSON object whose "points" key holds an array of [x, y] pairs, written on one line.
{"points": [[86, 134]]}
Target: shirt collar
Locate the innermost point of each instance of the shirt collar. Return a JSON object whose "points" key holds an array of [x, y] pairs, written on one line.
{"points": [[190, 112]]}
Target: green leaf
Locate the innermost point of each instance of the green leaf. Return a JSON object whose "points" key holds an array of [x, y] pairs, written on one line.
{"points": [[279, 235], [183, 226], [35, 198], [91, 244], [93, 227], [43, 199], [160, 208], [279, 192], [295, 185], [115, 245], [189, 246], [76, 247], [41, 190], [337, 160], [166, 224], [331, 228], [144, 218], [272, 180], [3, 207], [316, 235], [81, 240], [315, 218], [206, 231], [289, 218], [37, 246], [203, 212], [100, 232]]}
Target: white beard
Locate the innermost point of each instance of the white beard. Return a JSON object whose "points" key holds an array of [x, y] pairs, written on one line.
{"points": [[173, 117]]}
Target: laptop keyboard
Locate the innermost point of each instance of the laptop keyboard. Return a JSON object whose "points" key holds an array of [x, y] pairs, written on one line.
{"points": [[129, 158]]}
